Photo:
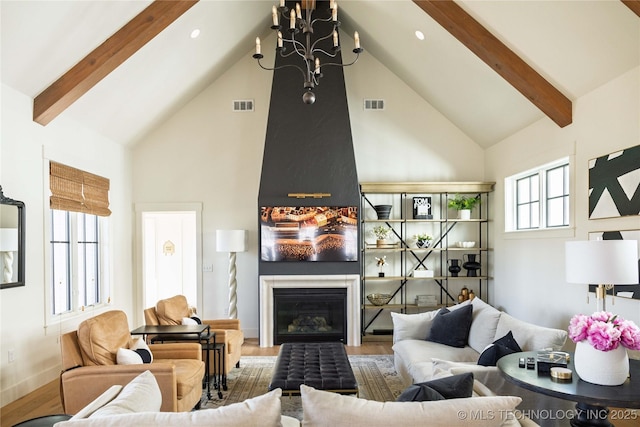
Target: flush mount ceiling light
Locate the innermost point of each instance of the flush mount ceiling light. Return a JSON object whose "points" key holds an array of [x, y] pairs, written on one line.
{"points": [[195, 33], [303, 43], [419, 35]]}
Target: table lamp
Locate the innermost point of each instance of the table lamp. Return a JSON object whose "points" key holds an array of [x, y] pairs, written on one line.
{"points": [[8, 245], [602, 262], [232, 241]]}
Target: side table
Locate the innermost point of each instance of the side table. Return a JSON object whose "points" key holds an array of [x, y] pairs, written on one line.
{"points": [[592, 401], [200, 333]]}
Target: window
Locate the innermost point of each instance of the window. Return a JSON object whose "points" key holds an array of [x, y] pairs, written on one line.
{"points": [[75, 262], [539, 198], [78, 246]]}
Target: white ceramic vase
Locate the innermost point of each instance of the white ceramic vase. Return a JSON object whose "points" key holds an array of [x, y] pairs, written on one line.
{"points": [[601, 367], [464, 214]]}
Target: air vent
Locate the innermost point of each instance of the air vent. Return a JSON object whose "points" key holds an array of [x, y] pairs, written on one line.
{"points": [[243, 105], [374, 104]]}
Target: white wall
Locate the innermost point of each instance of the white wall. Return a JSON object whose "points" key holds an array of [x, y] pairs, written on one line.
{"points": [[209, 154], [529, 267], [24, 152]]}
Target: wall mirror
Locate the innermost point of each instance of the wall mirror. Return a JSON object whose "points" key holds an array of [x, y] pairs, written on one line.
{"points": [[12, 218]]}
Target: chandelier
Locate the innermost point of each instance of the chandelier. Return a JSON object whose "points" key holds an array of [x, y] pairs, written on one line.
{"points": [[301, 29]]}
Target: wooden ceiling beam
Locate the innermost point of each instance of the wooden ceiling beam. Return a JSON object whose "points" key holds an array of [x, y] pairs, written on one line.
{"points": [[500, 58], [106, 58], [634, 5]]}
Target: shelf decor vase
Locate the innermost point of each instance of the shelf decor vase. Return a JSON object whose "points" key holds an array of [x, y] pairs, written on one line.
{"points": [[471, 265], [464, 214], [383, 211], [454, 267], [601, 367], [422, 243]]}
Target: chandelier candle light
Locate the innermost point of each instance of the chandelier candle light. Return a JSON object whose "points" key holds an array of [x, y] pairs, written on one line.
{"points": [[301, 29]]}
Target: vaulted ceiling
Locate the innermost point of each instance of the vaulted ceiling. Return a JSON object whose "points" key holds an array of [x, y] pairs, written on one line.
{"points": [[491, 67]]}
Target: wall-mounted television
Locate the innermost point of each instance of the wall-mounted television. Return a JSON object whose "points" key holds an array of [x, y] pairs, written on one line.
{"points": [[309, 233]]}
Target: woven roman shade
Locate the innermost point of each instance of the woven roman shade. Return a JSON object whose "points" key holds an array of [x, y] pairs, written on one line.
{"points": [[75, 190]]}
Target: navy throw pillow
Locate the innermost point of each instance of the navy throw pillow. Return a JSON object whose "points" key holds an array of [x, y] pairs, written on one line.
{"points": [[500, 347], [452, 327], [453, 387]]}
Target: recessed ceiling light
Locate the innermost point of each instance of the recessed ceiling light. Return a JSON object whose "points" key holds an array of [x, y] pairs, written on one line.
{"points": [[195, 33], [419, 35]]}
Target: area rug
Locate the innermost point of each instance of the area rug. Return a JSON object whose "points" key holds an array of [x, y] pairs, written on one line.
{"points": [[376, 376]]}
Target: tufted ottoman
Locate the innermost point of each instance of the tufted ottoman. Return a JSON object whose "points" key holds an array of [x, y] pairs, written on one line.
{"points": [[324, 366]]}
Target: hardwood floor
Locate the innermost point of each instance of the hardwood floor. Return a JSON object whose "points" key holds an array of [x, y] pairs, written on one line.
{"points": [[46, 399]]}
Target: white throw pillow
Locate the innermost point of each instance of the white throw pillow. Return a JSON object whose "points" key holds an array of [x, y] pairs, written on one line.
{"points": [[416, 326], [141, 347], [530, 337], [98, 403], [484, 324], [263, 410], [125, 356], [326, 409], [412, 326], [142, 394], [189, 321]]}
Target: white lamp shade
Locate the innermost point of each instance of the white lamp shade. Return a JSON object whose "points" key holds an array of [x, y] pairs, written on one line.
{"points": [[231, 240], [602, 262], [8, 239]]}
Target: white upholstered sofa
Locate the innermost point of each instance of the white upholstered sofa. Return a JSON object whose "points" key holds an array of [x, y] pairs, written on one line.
{"points": [[137, 404], [415, 358]]}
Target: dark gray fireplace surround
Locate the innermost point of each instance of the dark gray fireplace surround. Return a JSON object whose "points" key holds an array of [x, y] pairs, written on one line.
{"points": [[308, 149]]}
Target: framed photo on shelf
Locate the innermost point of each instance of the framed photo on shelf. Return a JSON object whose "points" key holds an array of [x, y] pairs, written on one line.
{"points": [[422, 207]]}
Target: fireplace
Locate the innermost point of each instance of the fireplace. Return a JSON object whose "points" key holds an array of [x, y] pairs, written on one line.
{"points": [[309, 315], [298, 290]]}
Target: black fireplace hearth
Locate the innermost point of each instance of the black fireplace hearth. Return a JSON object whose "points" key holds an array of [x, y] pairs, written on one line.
{"points": [[309, 315]]}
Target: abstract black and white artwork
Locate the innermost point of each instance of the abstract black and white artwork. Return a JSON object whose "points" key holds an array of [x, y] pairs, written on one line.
{"points": [[628, 291], [614, 184]]}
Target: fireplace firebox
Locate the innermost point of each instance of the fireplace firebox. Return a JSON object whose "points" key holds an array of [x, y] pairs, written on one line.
{"points": [[309, 314]]}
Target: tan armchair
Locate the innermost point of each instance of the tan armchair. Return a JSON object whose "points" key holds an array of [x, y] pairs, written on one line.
{"points": [[89, 365], [172, 310]]}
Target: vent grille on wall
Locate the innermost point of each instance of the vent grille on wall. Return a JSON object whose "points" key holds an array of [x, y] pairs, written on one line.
{"points": [[243, 105], [374, 104]]}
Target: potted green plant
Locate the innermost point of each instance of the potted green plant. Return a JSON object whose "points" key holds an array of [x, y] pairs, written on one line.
{"points": [[381, 232], [423, 240], [464, 205]]}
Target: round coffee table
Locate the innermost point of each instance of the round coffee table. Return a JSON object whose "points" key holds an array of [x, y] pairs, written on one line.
{"points": [[45, 421], [592, 400]]}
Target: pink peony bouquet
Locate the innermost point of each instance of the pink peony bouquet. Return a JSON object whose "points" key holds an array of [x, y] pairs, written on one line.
{"points": [[604, 331]]}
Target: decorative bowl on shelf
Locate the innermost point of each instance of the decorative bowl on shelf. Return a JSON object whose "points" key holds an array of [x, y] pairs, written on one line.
{"points": [[465, 244], [379, 299]]}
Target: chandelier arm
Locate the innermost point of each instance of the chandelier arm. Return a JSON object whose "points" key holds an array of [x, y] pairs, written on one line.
{"points": [[330, 35], [342, 65], [282, 55], [302, 52], [329, 54], [322, 20], [281, 67]]}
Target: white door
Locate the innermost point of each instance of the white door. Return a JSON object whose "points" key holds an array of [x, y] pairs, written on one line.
{"points": [[169, 256]]}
